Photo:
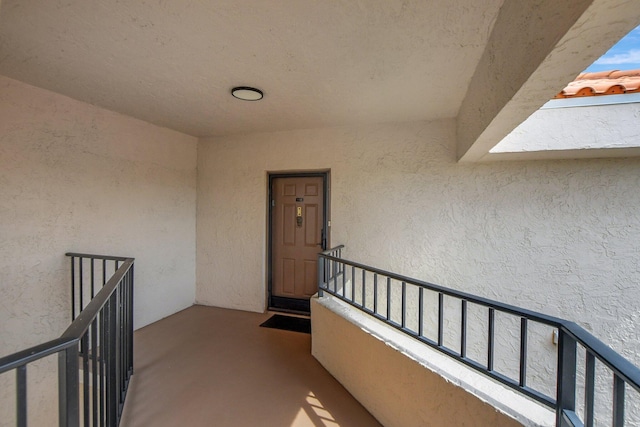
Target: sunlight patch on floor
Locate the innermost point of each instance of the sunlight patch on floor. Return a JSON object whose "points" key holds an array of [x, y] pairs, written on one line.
{"points": [[314, 414]]}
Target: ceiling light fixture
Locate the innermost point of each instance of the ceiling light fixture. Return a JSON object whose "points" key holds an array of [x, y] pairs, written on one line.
{"points": [[247, 93]]}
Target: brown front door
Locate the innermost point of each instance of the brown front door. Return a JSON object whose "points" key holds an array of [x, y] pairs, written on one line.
{"points": [[297, 222]]}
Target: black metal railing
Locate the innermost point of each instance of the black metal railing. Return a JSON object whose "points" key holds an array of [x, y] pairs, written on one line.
{"points": [[89, 273], [385, 296], [95, 353]]}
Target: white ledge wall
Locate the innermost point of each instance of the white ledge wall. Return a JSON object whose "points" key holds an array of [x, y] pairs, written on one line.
{"points": [[561, 237], [588, 131], [403, 383]]}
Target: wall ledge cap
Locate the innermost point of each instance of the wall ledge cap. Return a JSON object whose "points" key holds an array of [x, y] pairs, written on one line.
{"points": [[505, 400]]}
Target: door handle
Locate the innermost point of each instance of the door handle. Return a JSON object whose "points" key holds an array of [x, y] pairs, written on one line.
{"points": [[299, 216]]}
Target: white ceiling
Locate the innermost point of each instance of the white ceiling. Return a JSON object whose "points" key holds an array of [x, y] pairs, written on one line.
{"points": [[320, 63], [488, 64]]}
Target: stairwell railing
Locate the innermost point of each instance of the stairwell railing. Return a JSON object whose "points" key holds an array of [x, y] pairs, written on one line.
{"points": [[95, 353], [384, 296]]}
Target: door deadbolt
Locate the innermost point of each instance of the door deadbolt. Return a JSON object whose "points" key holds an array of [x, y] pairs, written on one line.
{"points": [[299, 216]]}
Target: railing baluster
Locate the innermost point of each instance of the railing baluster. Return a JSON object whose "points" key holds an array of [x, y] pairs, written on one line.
{"points": [[107, 362], [112, 365], [388, 298], [73, 288], [440, 318], [463, 329], [344, 281], [21, 396], [94, 372], [353, 284], [128, 362], [566, 382], [125, 336], [123, 342], [375, 293], [589, 386], [320, 275], [84, 345], [618, 401], [121, 348], [102, 363], [404, 305], [335, 277], [364, 290], [93, 290], [491, 339], [523, 351], [327, 273], [420, 311], [130, 329], [81, 284], [68, 394]]}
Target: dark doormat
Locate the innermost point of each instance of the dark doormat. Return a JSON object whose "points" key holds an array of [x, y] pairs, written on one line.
{"points": [[288, 323]]}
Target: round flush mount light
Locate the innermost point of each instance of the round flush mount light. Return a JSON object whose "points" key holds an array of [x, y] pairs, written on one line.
{"points": [[247, 93]]}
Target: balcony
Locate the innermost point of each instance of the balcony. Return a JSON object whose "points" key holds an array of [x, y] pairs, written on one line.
{"points": [[208, 365]]}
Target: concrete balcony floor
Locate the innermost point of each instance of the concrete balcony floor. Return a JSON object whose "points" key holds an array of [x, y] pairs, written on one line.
{"points": [[208, 366]]}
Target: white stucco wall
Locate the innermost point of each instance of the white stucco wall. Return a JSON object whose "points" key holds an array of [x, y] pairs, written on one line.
{"points": [[576, 128], [74, 177], [562, 237]]}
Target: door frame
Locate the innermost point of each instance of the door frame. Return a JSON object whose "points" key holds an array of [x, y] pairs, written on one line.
{"points": [[291, 304]]}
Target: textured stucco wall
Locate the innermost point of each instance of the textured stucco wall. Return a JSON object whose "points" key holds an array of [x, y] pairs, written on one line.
{"points": [[562, 237], [575, 128], [74, 177]]}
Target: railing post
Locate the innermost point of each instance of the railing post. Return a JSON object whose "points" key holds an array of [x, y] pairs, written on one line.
{"points": [[68, 387], [21, 396], [73, 289], [335, 277], [130, 331], [566, 383], [589, 392], [618, 401], [112, 352], [320, 274]]}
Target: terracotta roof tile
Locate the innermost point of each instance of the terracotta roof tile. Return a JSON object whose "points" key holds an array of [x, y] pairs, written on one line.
{"points": [[612, 82]]}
